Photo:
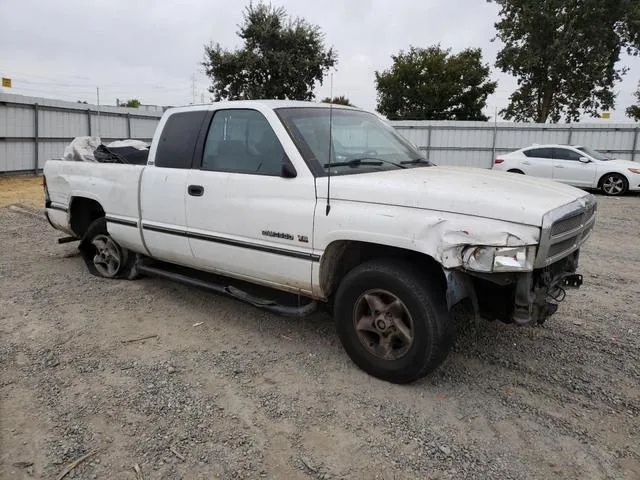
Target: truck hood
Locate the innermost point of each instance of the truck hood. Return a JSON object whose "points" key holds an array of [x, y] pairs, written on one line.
{"points": [[471, 191]]}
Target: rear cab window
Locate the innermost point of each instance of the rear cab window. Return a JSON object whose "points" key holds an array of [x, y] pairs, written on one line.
{"points": [[178, 139]]}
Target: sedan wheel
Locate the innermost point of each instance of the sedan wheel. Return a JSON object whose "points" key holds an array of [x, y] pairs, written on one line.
{"points": [[614, 184]]}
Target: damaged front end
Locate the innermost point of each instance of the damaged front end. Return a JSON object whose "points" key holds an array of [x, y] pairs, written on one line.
{"points": [[524, 285], [523, 298]]}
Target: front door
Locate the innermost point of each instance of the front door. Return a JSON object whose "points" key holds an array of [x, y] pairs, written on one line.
{"points": [[567, 168], [244, 219]]}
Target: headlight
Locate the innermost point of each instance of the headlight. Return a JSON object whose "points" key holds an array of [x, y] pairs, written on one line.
{"points": [[499, 259], [635, 170]]}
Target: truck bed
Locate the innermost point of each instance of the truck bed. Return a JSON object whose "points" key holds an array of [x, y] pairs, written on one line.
{"points": [[113, 185]]}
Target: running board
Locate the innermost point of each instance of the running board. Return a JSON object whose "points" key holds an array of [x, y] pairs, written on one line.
{"points": [[228, 290], [68, 239]]}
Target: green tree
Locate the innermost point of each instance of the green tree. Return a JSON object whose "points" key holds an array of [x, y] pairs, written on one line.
{"points": [[133, 103], [434, 84], [634, 110], [564, 54], [341, 100], [281, 58]]}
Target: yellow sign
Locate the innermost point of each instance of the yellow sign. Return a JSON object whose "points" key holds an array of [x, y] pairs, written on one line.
{"points": [[605, 115], [6, 82]]}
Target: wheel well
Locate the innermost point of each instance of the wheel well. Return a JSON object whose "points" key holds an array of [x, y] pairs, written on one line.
{"points": [[611, 173], [83, 212], [342, 256], [515, 170]]}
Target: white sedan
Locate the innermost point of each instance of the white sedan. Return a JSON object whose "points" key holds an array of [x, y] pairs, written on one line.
{"points": [[574, 165]]}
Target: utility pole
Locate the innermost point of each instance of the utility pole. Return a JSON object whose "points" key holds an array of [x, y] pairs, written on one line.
{"points": [[193, 89]]}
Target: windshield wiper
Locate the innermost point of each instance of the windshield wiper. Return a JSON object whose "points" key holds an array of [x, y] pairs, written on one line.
{"points": [[367, 161], [416, 161]]}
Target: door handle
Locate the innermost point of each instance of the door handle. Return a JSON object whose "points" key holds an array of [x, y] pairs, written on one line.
{"points": [[195, 190], [526, 163], [558, 166]]}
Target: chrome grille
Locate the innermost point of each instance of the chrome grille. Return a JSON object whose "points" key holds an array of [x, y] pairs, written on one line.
{"points": [[562, 246], [567, 224], [565, 229]]}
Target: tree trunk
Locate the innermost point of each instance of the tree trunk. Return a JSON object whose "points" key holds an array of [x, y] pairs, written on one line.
{"points": [[545, 109]]}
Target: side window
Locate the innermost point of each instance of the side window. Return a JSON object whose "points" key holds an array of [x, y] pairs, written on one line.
{"points": [[539, 152], [565, 154], [178, 139], [242, 141]]}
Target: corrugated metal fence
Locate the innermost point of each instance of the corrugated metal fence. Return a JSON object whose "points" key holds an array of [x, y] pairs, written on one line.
{"points": [[476, 144], [33, 130]]}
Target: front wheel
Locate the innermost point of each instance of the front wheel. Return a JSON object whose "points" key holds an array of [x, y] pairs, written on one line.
{"points": [[392, 320], [614, 184], [102, 255]]}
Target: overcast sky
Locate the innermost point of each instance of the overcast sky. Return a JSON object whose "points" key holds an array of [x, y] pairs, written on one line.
{"points": [[150, 49]]}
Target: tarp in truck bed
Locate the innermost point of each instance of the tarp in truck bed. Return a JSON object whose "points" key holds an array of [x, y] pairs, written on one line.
{"points": [[91, 149], [129, 155]]}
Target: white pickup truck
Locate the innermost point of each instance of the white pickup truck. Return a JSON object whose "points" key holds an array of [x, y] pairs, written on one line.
{"points": [[332, 205]]}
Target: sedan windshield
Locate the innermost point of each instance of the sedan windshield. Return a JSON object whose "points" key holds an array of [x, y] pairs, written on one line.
{"points": [[360, 141], [594, 153]]}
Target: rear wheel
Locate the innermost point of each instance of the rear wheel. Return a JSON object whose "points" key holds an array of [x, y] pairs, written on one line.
{"points": [[102, 255], [515, 170], [392, 320], [614, 184]]}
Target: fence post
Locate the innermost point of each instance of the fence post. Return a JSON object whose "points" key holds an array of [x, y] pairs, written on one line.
{"points": [[128, 125], [429, 141], [570, 135], [493, 144], [36, 135], [635, 143], [89, 120]]}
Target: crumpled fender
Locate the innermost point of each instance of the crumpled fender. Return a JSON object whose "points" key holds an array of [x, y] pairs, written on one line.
{"points": [[445, 239]]}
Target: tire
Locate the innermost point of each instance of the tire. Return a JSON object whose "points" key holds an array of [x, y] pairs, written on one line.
{"points": [[103, 256], [425, 317], [614, 184], [515, 170]]}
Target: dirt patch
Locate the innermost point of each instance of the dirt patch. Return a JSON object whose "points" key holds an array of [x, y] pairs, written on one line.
{"points": [[228, 391], [26, 190]]}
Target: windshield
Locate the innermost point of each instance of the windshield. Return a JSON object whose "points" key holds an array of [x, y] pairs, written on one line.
{"points": [[594, 153], [361, 142]]}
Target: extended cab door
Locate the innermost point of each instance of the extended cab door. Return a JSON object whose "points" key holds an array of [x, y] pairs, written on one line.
{"points": [[567, 168], [244, 218], [538, 162], [164, 187]]}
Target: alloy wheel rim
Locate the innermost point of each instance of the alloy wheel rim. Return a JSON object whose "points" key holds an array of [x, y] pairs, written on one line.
{"points": [[383, 324], [108, 256]]}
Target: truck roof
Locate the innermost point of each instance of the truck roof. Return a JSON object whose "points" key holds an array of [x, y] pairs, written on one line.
{"points": [[273, 104]]}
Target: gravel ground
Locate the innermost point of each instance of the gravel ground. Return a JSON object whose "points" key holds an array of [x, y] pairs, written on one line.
{"points": [[224, 390]]}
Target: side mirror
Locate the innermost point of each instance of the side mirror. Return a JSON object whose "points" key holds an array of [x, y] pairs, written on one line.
{"points": [[288, 170], [584, 160]]}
